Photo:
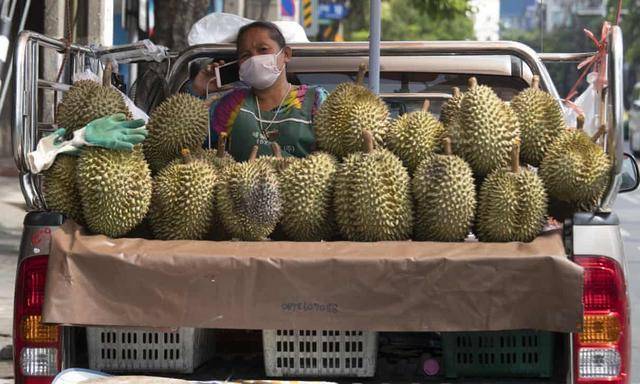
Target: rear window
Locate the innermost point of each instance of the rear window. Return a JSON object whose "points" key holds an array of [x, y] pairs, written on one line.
{"points": [[416, 82], [506, 87]]}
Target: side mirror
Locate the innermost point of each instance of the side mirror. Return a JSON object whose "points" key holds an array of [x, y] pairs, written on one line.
{"points": [[629, 174]]}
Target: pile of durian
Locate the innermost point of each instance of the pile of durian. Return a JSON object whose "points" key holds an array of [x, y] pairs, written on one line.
{"points": [[489, 168]]}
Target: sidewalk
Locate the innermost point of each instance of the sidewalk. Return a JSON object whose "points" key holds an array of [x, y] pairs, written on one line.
{"points": [[12, 211]]}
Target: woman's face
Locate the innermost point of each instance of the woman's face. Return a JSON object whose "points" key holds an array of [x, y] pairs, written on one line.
{"points": [[256, 41]]}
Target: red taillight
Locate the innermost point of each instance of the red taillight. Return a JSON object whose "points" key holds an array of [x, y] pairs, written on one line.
{"points": [[602, 350], [36, 345]]}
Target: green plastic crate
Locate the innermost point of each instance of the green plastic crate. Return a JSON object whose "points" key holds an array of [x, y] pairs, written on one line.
{"points": [[498, 354]]}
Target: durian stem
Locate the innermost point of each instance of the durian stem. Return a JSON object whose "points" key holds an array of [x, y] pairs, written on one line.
{"points": [[535, 82], [254, 153], [473, 82], [515, 158], [277, 152], [222, 140], [106, 74], [580, 122], [455, 91], [426, 105], [599, 133], [367, 137], [186, 155], [362, 69], [446, 142]]}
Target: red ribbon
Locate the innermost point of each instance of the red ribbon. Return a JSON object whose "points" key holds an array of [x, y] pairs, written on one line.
{"points": [[597, 62]]}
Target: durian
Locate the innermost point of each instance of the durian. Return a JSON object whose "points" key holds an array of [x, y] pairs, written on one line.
{"points": [[218, 158], [489, 129], [414, 136], [60, 190], [248, 199], [87, 100], [278, 162], [541, 121], [307, 193], [512, 205], [445, 197], [183, 199], [115, 189], [450, 117], [575, 169], [372, 197], [347, 111], [181, 121]]}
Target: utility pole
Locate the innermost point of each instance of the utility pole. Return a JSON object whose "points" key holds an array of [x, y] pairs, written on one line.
{"points": [[374, 46], [100, 22]]}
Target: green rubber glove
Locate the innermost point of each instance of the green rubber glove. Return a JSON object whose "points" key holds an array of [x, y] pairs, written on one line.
{"points": [[115, 132]]}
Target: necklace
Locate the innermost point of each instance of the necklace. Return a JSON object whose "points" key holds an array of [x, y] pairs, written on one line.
{"points": [[264, 130]]}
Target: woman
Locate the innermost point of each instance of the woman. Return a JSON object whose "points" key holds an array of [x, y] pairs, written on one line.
{"points": [[272, 109]]}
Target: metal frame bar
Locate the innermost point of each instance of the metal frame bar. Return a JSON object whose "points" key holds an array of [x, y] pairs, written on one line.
{"points": [[26, 125], [350, 49], [614, 115]]}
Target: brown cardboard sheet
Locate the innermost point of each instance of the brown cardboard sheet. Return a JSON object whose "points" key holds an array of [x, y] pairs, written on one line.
{"points": [[384, 286]]}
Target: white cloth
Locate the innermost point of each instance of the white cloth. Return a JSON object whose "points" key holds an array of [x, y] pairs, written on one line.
{"points": [[45, 154], [587, 101], [220, 28], [49, 148]]}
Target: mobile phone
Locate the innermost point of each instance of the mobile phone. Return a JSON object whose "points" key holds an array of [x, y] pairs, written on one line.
{"points": [[227, 73]]}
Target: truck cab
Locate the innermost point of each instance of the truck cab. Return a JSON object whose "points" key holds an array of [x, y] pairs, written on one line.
{"points": [[410, 73]]}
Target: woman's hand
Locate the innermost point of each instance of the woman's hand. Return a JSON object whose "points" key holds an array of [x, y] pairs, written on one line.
{"points": [[206, 79]]}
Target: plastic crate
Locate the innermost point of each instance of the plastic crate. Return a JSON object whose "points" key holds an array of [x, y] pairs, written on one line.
{"points": [[492, 354], [148, 350], [314, 353]]}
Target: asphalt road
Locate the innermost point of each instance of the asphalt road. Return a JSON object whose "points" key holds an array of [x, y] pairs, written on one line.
{"points": [[11, 211]]}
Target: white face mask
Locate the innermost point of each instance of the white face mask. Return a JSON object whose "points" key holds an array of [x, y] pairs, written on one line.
{"points": [[261, 71]]}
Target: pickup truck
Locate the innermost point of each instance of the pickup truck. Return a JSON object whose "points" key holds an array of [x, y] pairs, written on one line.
{"points": [[410, 72]]}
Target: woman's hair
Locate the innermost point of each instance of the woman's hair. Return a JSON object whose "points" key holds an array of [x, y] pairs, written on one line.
{"points": [[274, 32]]}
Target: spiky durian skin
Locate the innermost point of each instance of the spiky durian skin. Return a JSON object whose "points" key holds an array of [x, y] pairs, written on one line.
{"points": [[541, 122], [73, 103], [278, 164], [60, 190], [115, 189], [372, 198], [307, 194], [181, 121], [249, 200], [511, 206], [575, 169], [209, 156], [489, 130], [414, 136], [212, 158], [86, 101], [346, 112], [445, 198], [562, 210], [450, 117], [183, 200]]}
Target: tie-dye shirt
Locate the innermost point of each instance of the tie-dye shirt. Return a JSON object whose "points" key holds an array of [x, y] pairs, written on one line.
{"points": [[225, 112]]}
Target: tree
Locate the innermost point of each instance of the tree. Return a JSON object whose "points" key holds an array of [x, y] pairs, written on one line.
{"points": [[174, 20], [413, 20]]}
